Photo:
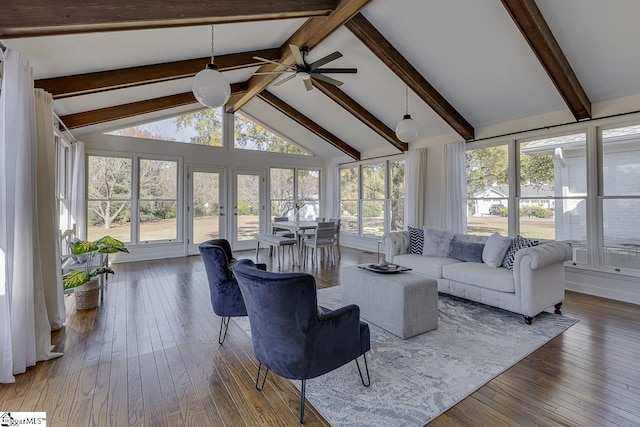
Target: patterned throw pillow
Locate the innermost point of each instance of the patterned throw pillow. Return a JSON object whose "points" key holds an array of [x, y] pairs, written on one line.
{"points": [[518, 243], [416, 240]]}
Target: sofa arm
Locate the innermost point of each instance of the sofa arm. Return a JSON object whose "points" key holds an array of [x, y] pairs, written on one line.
{"points": [[545, 254], [539, 276], [395, 243]]}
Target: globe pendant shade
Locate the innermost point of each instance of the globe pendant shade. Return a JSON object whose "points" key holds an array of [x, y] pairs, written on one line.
{"points": [[211, 88], [407, 129]]}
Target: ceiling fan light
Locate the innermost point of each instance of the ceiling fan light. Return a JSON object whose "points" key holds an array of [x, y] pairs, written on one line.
{"points": [[302, 75], [407, 129], [210, 87]]}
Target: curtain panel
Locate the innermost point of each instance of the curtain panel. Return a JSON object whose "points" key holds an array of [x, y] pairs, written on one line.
{"points": [[415, 188], [25, 331], [456, 187]]}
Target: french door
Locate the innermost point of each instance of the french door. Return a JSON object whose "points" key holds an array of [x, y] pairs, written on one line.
{"points": [[206, 207], [248, 208]]}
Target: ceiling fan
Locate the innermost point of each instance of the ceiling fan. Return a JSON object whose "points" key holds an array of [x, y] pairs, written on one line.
{"points": [[306, 71]]}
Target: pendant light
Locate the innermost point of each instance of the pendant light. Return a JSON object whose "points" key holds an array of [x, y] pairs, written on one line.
{"points": [[407, 129], [210, 87]]}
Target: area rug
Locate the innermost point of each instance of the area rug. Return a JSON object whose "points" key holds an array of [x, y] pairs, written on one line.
{"points": [[414, 380]]}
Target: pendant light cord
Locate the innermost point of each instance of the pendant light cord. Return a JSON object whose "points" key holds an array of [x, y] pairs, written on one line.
{"points": [[212, 44], [406, 99]]}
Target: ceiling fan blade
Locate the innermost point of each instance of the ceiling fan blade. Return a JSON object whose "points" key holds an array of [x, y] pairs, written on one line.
{"points": [[259, 73], [297, 56], [274, 62], [335, 70], [286, 79], [327, 79], [308, 84], [320, 62]]}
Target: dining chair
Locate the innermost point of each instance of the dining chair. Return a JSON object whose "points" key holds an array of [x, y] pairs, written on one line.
{"points": [[323, 238], [336, 240]]}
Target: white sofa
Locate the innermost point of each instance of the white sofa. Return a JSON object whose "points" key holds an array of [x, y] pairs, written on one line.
{"points": [[535, 284]]}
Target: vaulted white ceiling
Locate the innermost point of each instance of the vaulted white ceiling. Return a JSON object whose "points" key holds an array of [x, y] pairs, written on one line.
{"points": [[470, 51]]}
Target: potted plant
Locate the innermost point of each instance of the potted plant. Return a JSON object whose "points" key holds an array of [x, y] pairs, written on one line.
{"points": [[84, 280]]}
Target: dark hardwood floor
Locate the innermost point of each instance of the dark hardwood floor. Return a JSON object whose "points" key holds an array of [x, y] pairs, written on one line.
{"points": [[149, 356]]}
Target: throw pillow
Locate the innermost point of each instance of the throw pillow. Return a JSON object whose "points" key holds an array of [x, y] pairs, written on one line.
{"points": [[416, 240], [518, 243], [495, 249], [436, 242], [466, 251]]}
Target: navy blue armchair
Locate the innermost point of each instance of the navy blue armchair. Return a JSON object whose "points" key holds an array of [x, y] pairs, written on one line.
{"points": [[226, 298], [290, 336]]}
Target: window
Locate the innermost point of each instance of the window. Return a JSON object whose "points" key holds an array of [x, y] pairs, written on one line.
{"points": [[281, 191], [202, 127], [158, 204], [349, 196], [111, 208], [251, 135], [63, 173], [283, 184], [109, 197], [372, 198], [620, 199], [553, 189], [396, 198], [488, 190]]}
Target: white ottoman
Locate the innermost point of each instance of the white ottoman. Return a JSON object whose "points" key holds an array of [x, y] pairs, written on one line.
{"points": [[404, 303]]}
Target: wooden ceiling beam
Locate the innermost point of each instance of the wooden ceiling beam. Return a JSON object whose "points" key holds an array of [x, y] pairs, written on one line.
{"points": [[29, 18], [309, 124], [359, 112], [387, 53], [108, 114], [310, 34], [534, 28], [84, 84]]}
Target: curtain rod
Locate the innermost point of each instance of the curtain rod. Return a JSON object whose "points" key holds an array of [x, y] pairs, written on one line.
{"points": [[65, 127]]}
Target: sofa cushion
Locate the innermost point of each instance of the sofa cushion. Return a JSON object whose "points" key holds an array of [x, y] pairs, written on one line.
{"points": [[436, 242], [416, 240], [495, 249], [431, 266], [478, 274], [518, 243], [466, 251]]}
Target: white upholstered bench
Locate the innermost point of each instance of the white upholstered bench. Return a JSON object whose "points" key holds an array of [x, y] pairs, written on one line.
{"points": [[404, 303], [276, 241]]}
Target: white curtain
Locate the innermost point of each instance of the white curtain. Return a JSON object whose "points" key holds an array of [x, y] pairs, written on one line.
{"points": [[456, 187], [78, 193], [25, 332], [415, 188], [48, 218], [333, 192]]}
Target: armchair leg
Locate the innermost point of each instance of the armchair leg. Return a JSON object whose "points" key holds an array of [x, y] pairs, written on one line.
{"points": [[302, 392], [264, 379], [223, 325], [366, 367]]}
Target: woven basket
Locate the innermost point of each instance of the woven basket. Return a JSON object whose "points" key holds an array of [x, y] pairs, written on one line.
{"points": [[87, 295]]}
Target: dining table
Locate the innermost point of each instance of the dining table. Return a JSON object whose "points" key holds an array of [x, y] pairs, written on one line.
{"points": [[294, 227]]}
